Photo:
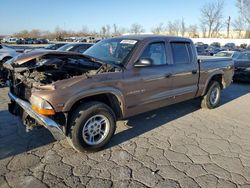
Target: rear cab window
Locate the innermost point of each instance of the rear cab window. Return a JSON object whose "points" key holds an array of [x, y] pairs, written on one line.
{"points": [[182, 53]]}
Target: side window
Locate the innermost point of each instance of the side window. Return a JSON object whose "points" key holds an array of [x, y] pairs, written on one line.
{"points": [[244, 56], [181, 52], [156, 52], [1, 47], [82, 48]]}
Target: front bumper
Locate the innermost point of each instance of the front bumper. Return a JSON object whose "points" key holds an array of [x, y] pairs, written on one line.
{"points": [[47, 122]]}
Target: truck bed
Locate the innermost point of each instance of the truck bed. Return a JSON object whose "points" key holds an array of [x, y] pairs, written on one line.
{"points": [[213, 59]]}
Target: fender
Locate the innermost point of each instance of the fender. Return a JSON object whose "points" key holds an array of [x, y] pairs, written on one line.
{"points": [[216, 72], [93, 92]]}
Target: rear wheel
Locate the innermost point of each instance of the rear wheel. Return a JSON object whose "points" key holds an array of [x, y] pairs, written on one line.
{"points": [[212, 98], [92, 126]]}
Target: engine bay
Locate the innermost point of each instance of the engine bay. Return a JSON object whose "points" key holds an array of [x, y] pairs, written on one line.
{"points": [[47, 70]]}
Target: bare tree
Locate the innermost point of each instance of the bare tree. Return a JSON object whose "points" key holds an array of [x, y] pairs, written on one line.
{"points": [[183, 27], [211, 17], [22, 34], [84, 31], [244, 8], [158, 29], [193, 31], [136, 28], [228, 26], [103, 31], [174, 27], [115, 30], [239, 26], [122, 30], [108, 29]]}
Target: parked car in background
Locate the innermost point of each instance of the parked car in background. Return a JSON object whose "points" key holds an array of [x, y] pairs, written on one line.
{"points": [[10, 40], [232, 54], [75, 47], [29, 41], [201, 50], [242, 67], [20, 41], [81, 96], [54, 46], [6, 53], [211, 50], [215, 44], [201, 44], [43, 41], [229, 46]]}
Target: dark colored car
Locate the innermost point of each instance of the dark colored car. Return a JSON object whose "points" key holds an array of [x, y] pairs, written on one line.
{"points": [[242, 67], [81, 96], [229, 46], [75, 47], [28, 41], [43, 41], [20, 41], [54, 46], [211, 50], [201, 44], [201, 50], [215, 44]]}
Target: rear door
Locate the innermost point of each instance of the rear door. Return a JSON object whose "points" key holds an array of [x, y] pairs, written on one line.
{"points": [[185, 71]]}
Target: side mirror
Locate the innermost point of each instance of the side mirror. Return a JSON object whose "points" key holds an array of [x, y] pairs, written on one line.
{"points": [[144, 62]]}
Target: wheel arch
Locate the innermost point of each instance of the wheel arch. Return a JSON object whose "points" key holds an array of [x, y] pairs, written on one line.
{"points": [[218, 76], [112, 99]]}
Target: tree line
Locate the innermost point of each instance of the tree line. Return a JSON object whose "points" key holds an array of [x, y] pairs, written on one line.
{"points": [[211, 24]]}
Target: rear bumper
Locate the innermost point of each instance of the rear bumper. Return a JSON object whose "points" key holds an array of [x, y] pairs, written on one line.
{"points": [[47, 122]]}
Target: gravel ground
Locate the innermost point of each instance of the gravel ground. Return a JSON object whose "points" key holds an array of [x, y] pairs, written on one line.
{"points": [[177, 146]]}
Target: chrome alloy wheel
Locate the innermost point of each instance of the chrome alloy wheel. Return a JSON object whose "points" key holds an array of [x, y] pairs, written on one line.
{"points": [[214, 96], [96, 129]]}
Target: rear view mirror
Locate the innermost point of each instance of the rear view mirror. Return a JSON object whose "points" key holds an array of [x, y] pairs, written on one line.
{"points": [[144, 62]]}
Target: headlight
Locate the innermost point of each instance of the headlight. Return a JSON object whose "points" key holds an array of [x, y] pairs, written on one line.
{"points": [[41, 106]]}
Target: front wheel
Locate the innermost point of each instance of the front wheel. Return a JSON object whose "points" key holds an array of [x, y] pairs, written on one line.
{"points": [[92, 126], [212, 98]]}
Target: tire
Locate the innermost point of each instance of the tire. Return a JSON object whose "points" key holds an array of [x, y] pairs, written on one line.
{"points": [[92, 125], [212, 98]]}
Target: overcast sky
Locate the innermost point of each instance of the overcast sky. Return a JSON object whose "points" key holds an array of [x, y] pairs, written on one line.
{"points": [[16, 15]]}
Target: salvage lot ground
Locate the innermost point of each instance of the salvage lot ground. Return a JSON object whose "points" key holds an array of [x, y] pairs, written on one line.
{"points": [[178, 146]]}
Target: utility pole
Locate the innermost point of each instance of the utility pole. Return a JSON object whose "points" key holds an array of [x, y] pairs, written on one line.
{"points": [[228, 26]]}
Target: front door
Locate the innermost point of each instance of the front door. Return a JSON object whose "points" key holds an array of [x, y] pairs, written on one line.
{"points": [[150, 86]]}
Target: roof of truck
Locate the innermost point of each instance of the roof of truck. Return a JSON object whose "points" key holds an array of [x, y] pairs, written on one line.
{"points": [[151, 36]]}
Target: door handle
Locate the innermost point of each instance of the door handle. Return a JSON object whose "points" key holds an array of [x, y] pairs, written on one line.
{"points": [[168, 75], [194, 71]]}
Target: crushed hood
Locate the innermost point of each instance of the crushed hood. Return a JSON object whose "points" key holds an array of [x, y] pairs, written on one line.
{"points": [[23, 58]]}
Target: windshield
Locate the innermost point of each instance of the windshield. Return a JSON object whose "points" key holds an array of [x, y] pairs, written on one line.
{"points": [[244, 56], [112, 50], [223, 54], [66, 47]]}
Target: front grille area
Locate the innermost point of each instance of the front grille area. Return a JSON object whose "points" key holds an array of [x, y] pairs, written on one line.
{"points": [[19, 89]]}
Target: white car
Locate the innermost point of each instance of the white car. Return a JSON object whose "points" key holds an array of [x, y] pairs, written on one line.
{"points": [[7, 53], [231, 54], [11, 40]]}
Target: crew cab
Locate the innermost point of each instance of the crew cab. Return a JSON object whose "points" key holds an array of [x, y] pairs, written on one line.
{"points": [[81, 96]]}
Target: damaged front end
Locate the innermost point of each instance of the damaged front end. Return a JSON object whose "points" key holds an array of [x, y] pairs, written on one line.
{"points": [[41, 73]]}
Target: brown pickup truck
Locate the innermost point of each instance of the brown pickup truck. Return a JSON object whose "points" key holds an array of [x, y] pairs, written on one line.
{"points": [[81, 96]]}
